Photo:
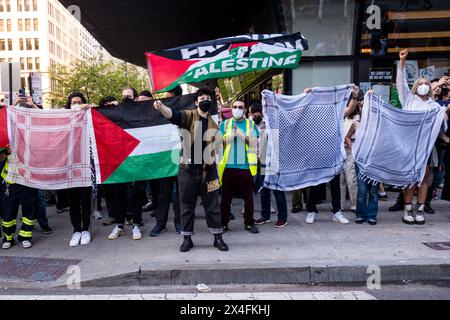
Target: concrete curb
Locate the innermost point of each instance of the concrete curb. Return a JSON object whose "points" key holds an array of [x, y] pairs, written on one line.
{"points": [[292, 275]]}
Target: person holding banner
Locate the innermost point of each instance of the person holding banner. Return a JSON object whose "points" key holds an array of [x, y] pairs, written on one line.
{"points": [[197, 175]]}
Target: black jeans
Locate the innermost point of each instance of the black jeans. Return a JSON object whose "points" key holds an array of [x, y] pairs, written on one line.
{"points": [[314, 196], [80, 208], [191, 187], [164, 198], [446, 190], [62, 199], [126, 196]]}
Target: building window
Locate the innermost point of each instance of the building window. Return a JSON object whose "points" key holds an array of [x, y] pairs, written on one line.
{"points": [[27, 5], [30, 63], [20, 24], [27, 24], [29, 44], [1, 6], [2, 45], [36, 24], [21, 45], [19, 5], [10, 45], [22, 64], [37, 63], [36, 44], [8, 25], [35, 5], [2, 25], [8, 5]]}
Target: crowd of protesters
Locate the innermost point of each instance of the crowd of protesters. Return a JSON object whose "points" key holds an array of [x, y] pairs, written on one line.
{"points": [[239, 174]]}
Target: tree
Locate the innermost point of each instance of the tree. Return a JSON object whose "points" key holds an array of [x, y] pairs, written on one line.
{"points": [[95, 78]]}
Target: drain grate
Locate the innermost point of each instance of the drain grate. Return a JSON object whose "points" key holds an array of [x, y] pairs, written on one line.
{"points": [[438, 245], [34, 269]]}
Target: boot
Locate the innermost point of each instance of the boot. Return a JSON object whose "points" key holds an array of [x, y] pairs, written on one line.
{"points": [[219, 243], [428, 209], [399, 205], [187, 244]]}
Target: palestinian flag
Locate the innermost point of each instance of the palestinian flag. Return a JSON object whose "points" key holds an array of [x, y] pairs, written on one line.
{"points": [[134, 142], [4, 140], [224, 58]]}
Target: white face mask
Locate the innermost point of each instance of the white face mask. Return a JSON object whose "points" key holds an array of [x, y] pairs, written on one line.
{"points": [[238, 113], [423, 90], [75, 106]]}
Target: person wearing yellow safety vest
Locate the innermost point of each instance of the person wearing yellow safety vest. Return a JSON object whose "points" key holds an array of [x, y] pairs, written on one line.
{"points": [[13, 196], [239, 164]]}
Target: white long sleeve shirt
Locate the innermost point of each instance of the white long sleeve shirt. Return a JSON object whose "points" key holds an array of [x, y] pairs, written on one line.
{"points": [[408, 100]]}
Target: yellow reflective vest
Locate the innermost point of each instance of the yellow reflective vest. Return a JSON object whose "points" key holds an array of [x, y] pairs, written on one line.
{"points": [[251, 152], [4, 173]]}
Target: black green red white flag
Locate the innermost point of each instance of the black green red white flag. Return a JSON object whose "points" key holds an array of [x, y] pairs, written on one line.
{"points": [[222, 58], [134, 142]]}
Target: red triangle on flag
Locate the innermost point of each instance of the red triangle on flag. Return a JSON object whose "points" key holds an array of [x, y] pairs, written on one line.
{"points": [[4, 140], [113, 143], [165, 71]]}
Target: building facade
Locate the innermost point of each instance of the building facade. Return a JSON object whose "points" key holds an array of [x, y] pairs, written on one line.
{"points": [[39, 33]]}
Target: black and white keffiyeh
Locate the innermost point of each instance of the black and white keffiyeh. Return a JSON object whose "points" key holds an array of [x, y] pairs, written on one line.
{"points": [[305, 137], [393, 145]]}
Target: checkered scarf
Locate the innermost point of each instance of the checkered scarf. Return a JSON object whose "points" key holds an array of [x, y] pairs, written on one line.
{"points": [[393, 145], [49, 148], [305, 137]]}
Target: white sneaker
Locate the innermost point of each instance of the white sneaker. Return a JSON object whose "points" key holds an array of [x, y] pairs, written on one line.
{"points": [[27, 244], [408, 215], [311, 218], [6, 245], [97, 215], [75, 241], [117, 232], [419, 217], [339, 217], [85, 238], [137, 235]]}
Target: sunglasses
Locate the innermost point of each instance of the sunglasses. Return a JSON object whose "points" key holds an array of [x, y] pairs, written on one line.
{"points": [[239, 107]]}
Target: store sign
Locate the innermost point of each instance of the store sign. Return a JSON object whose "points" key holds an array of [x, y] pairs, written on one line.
{"points": [[380, 75]]}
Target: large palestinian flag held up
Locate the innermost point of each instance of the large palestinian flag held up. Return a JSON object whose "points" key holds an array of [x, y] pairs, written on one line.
{"points": [[134, 142], [224, 58]]}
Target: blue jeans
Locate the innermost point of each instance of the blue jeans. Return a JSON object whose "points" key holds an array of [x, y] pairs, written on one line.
{"points": [[367, 202], [41, 210], [280, 198]]}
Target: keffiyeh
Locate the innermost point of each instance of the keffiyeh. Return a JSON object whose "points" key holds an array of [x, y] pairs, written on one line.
{"points": [[305, 137], [392, 145]]}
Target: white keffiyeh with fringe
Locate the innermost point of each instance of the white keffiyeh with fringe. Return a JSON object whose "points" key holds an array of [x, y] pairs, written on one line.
{"points": [[392, 145], [305, 137]]}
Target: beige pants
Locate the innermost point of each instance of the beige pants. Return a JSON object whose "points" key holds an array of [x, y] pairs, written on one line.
{"points": [[348, 180]]}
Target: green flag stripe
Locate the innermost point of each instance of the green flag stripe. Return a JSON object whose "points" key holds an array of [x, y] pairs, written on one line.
{"points": [[146, 167]]}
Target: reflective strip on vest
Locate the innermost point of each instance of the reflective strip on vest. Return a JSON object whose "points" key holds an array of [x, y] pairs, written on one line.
{"points": [[252, 157], [5, 172]]}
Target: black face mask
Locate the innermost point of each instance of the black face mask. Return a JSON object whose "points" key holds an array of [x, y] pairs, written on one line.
{"points": [[257, 120], [127, 100], [205, 105]]}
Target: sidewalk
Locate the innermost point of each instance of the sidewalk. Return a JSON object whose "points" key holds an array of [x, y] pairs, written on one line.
{"points": [[325, 252]]}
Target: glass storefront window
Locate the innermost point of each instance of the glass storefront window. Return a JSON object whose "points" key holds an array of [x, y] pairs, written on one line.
{"points": [[328, 25], [423, 26]]}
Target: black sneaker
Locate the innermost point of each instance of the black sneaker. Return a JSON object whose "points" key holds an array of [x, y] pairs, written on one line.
{"points": [[226, 229], [252, 229], [219, 243], [428, 209], [396, 207], [187, 244], [297, 210], [46, 229], [109, 221], [360, 220], [372, 222]]}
